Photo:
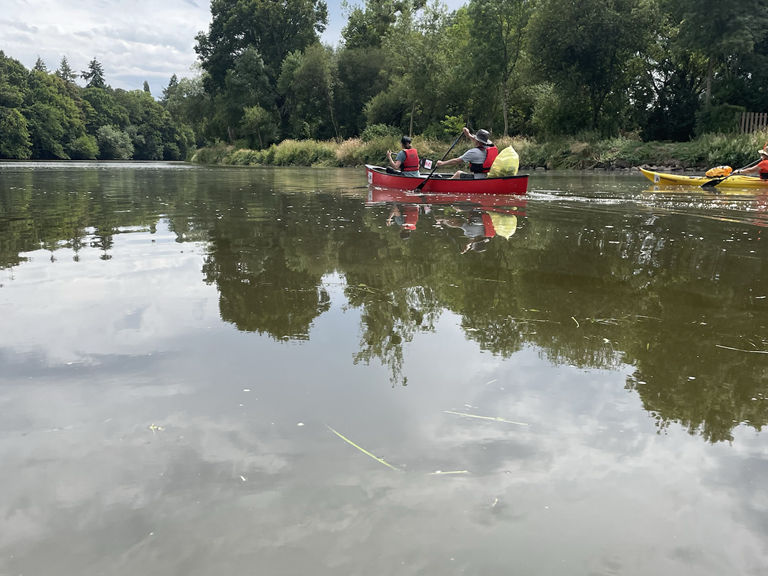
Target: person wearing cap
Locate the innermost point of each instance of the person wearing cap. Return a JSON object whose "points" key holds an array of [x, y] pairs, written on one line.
{"points": [[760, 168], [480, 158], [407, 160]]}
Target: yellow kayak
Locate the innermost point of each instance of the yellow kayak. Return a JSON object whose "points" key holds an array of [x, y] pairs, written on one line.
{"points": [[738, 181]]}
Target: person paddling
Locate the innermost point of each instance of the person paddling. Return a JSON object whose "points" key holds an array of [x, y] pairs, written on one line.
{"points": [[761, 168], [407, 160], [480, 157]]}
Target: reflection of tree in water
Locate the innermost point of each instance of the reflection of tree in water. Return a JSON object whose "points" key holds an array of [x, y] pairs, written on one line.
{"points": [[41, 211], [655, 298], [260, 293]]}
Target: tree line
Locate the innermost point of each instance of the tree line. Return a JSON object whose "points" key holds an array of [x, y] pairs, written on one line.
{"points": [[46, 115], [656, 69]]}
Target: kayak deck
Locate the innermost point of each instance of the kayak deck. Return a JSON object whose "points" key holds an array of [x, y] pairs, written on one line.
{"points": [[739, 181]]}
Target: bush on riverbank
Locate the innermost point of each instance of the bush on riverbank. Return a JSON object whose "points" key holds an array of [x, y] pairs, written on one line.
{"points": [[565, 153]]}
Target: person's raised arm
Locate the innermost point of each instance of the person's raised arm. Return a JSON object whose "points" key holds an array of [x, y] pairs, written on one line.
{"points": [[451, 162], [395, 164]]}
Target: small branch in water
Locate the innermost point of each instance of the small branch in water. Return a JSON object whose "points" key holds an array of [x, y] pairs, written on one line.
{"points": [[363, 450], [577, 322], [486, 418], [441, 473], [741, 350]]}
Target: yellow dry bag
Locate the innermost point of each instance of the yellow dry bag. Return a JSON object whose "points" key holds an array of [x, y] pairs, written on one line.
{"points": [[507, 163], [719, 171]]}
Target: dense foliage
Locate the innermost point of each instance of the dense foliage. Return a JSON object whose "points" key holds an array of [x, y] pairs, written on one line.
{"points": [[663, 70], [46, 115], [656, 69]]}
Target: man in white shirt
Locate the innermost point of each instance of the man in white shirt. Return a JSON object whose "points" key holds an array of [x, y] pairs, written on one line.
{"points": [[479, 158]]}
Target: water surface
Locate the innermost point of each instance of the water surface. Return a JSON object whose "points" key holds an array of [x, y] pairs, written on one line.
{"points": [[569, 383]]}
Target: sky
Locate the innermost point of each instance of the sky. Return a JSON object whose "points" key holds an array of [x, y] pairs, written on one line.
{"points": [[135, 40]]}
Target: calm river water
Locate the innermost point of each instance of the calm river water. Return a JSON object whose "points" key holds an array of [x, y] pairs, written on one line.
{"points": [[193, 359]]}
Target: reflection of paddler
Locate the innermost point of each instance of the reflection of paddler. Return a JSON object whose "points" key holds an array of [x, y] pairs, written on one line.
{"points": [[477, 226], [405, 216]]}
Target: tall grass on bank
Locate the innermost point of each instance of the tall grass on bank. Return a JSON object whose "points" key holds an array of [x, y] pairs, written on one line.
{"points": [[565, 153]]}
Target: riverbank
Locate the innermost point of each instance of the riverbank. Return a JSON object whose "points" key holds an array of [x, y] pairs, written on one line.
{"points": [[735, 150]]}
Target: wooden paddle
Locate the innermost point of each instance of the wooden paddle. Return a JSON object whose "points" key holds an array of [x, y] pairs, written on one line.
{"points": [[716, 181], [421, 186]]}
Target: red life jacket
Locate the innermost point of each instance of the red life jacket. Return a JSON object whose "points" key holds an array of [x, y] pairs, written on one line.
{"points": [[763, 169], [411, 162], [485, 167]]}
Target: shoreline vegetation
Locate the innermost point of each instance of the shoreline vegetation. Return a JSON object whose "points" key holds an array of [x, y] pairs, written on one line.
{"points": [[619, 153], [591, 84]]}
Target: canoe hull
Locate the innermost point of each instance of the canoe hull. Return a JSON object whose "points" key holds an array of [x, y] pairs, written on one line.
{"points": [[510, 185], [743, 182]]}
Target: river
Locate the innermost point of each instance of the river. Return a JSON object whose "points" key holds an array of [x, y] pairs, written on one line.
{"points": [[278, 372]]}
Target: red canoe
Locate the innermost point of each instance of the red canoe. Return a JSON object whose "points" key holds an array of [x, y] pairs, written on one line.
{"points": [[442, 184]]}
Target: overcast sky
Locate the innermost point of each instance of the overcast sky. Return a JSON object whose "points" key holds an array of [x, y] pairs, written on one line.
{"points": [[135, 40]]}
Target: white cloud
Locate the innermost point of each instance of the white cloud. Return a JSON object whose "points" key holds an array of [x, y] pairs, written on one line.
{"points": [[135, 40]]}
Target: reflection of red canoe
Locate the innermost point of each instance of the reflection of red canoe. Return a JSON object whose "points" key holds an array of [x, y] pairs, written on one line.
{"points": [[384, 195], [516, 185]]}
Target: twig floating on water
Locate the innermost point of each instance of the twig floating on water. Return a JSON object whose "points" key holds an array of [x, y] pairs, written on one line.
{"points": [[741, 350], [441, 473], [486, 418], [363, 450]]}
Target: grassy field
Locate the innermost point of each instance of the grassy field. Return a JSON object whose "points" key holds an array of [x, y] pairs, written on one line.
{"points": [[735, 150]]}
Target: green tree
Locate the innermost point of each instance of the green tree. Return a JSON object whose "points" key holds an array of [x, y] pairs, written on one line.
{"points": [[361, 75], [40, 65], [94, 76], [65, 72], [14, 136], [498, 28], [308, 82], [585, 47], [83, 148], [247, 84], [114, 144], [54, 117], [168, 91], [723, 31], [146, 87], [368, 25], [256, 120], [671, 83], [189, 104], [103, 110], [14, 133], [273, 28]]}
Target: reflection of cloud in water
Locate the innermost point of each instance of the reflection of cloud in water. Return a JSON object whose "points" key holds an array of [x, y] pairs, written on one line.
{"points": [[571, 488], [150, 292]]}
